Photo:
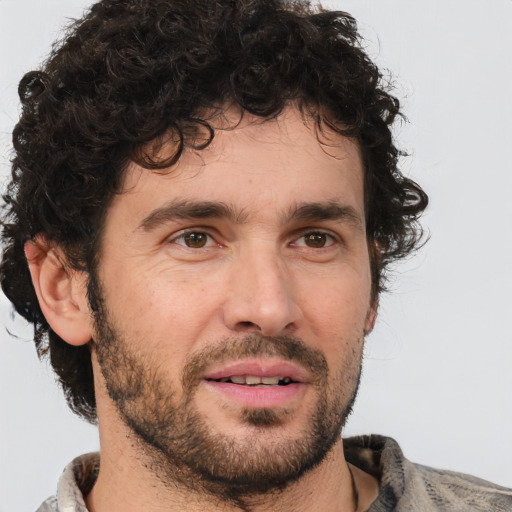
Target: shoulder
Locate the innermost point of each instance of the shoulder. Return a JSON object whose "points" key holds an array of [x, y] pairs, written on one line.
{"points": [[447, 491], [49, 505], [74, 484], [408, 487]]}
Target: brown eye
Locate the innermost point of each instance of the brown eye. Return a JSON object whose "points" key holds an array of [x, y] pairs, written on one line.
{"points": [[195, 240], [316, 240]]}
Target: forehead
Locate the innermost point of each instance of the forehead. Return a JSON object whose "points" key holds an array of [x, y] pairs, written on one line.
{"points": [[256, 164]]}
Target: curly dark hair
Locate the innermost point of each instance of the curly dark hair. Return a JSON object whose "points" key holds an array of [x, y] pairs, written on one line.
{"points": [[132, 71]]}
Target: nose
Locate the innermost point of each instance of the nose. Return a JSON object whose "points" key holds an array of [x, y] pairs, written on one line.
{"points": [[261, 297]]}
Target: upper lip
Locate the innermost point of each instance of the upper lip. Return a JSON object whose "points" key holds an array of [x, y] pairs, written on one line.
{"points": [[260, 367]]}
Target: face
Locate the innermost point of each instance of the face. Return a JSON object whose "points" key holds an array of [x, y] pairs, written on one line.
{"points": [[234, 296]]}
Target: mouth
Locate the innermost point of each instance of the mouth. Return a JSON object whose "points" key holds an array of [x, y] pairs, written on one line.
{"points": [[258, 383]]}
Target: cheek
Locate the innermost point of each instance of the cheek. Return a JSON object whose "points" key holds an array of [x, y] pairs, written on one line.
{"points": [[336, 320], [340, 301], [163, 314]]}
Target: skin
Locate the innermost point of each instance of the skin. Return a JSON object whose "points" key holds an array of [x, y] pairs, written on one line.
{"points": [[261, 272]]}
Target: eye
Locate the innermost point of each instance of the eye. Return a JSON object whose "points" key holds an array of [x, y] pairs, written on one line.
{"points": [[194, 239], [315, 240]]}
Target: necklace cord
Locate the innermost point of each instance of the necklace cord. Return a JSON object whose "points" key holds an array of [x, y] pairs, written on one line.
{"points": [[355, 494]]}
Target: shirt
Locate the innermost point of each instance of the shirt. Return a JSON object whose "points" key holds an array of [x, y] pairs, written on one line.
{"points": [[404, 486]]}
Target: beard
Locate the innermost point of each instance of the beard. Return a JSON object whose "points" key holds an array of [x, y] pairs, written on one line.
{"points": [[176, 441]]}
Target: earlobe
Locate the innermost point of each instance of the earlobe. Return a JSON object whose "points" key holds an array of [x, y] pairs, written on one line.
{"points": [[371, 318], [61, 291]]}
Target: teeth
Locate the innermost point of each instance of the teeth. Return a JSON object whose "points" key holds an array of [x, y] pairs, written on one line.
{"points": [[252, 380], [273, 381]]}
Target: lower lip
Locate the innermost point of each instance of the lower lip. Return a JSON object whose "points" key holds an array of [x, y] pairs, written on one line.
{"points": [[255, 397]]}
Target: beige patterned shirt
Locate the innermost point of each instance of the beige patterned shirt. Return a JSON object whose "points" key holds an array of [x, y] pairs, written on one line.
{"points": [[404, 486]]}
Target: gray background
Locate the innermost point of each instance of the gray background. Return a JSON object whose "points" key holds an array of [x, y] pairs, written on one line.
{"points": [[437, 374]]}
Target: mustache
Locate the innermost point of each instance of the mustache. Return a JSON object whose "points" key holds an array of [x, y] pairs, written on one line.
{"points": [[289, 348]]}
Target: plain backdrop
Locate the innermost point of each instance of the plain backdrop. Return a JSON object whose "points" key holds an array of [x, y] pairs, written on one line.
{"points": [[437, 374]]}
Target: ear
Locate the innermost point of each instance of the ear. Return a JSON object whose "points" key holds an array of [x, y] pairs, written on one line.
{"points": [[61, 291], [371, 317]]}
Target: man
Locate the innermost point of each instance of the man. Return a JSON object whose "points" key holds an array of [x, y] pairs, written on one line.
{"points": [[206, 196]]}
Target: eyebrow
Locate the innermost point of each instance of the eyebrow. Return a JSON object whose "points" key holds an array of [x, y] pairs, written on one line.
{"points": [[330, 210], [188, 210], [184, 210]]}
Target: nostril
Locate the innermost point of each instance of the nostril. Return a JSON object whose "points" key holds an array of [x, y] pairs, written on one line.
{"points": [[247, 326]]}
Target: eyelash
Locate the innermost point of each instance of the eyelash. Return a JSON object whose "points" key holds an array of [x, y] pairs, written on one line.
{"points": [[182, 236], [334, 238]]}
